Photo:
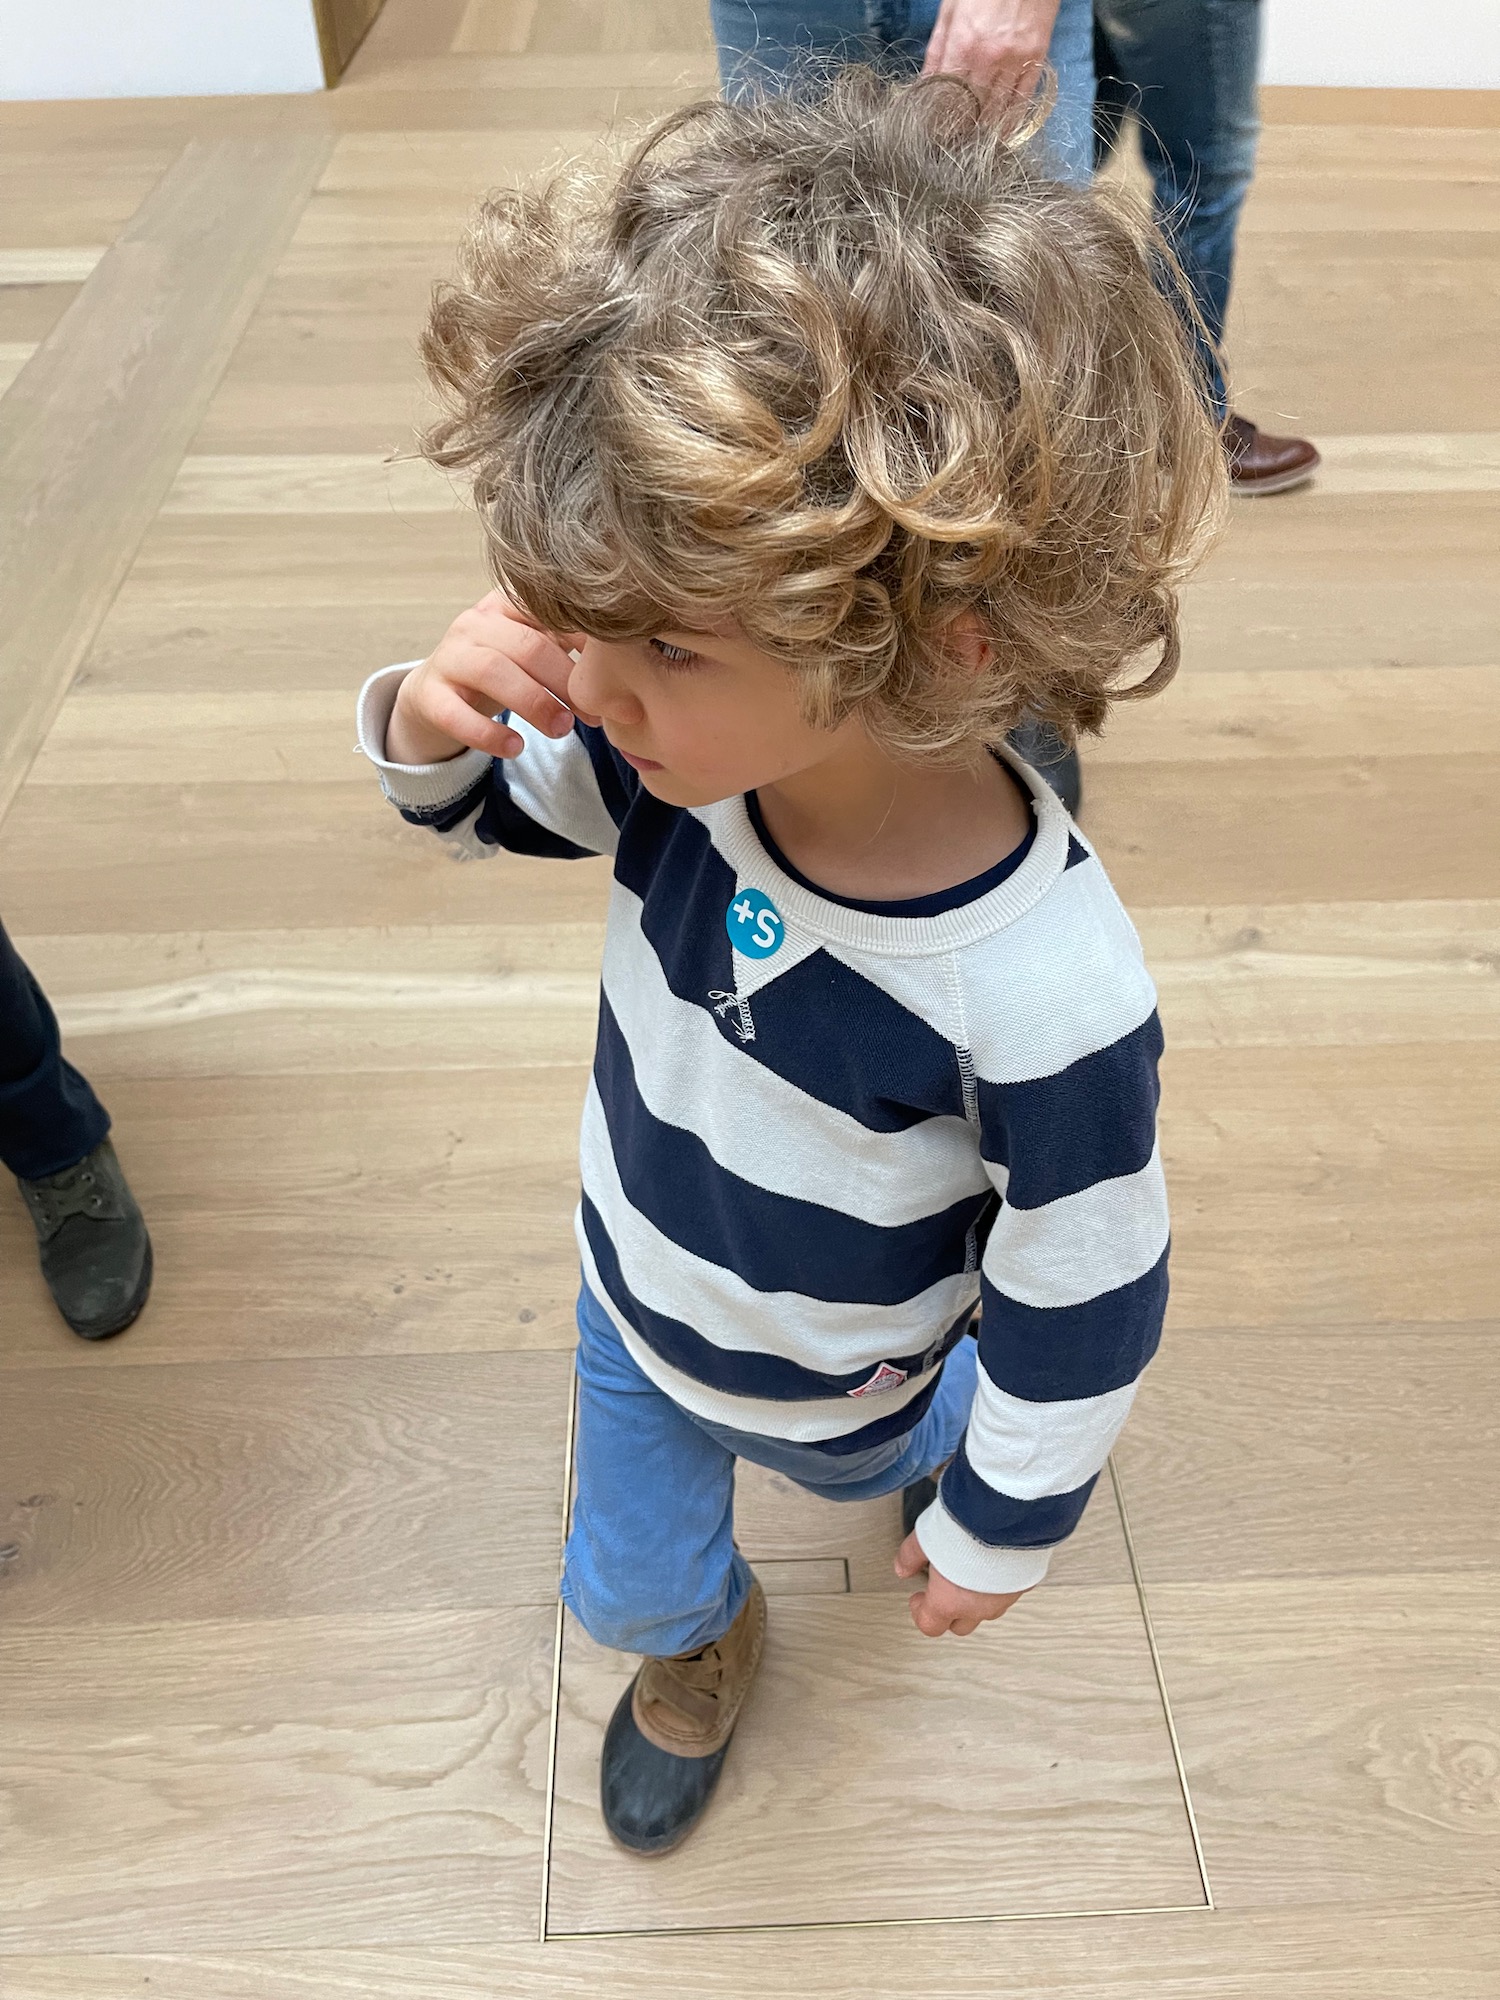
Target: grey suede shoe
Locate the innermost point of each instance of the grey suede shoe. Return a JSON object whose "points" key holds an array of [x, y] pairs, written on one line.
{"points": [[96, 1255]]}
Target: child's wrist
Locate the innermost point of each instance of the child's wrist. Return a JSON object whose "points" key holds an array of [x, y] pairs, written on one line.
{"points": [[409, 741]]}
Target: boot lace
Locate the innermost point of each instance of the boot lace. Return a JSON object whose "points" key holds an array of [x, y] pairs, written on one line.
{"points": [[75, 1191]]}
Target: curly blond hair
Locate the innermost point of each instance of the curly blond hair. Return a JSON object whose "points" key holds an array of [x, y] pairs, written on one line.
{"points": [[840, 368]]}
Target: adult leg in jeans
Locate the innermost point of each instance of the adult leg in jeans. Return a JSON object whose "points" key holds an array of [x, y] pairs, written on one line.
{"points": [[49, 1117], [1187, 68], [768, 45], [95, 1253]]}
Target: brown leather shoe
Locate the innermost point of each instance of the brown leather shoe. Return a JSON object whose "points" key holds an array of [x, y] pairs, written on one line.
{"points": [[1260, 463]]}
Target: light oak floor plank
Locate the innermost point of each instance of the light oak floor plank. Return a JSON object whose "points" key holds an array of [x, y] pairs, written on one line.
{"points": [[1337, 332], [689, 72], [335, 1216], [1330, 1186], [1340, 1732], [1349, 580], [1272, 1452], [160, 856], [850, 1791], [309, 483], [1410, 462], [14, 355], [234, 732], [49, 264], [281, 1489], [1314, 828], [295, 1781], [89, 441], [1407, 1948]]}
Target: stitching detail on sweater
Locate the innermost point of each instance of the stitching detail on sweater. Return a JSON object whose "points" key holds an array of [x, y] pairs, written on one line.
{"points": [[742, 1021], [963, 1055]]}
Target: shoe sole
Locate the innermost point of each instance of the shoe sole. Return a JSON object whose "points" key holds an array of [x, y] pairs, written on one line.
{"points": [[132, 1311], [1282, 483]]}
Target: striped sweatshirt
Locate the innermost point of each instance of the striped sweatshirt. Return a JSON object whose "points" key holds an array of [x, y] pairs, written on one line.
{"points": [[819, 1135]]}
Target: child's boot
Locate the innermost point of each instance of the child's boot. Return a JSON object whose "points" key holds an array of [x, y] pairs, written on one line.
{"points": [[667, 1739], [915, 1500]]}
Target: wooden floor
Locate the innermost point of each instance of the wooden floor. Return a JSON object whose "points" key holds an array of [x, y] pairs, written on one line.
{"points": [[283, 1711]]}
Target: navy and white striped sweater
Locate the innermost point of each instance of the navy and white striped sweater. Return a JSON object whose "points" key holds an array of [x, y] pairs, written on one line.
{"points": [[804, 1166]]}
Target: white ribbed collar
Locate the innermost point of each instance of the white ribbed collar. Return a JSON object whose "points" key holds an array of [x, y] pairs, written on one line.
{"points": [[729, 826]]}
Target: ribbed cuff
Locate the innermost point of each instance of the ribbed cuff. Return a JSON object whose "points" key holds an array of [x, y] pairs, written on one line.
{"points": [[954, 1553], [422, 787]]}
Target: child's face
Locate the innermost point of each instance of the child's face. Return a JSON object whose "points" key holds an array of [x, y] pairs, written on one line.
{"points": [[702, 716]]}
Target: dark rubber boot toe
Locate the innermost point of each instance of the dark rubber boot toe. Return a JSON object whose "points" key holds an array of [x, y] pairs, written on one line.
{"points": [[915, 1500], [651, 1799]]}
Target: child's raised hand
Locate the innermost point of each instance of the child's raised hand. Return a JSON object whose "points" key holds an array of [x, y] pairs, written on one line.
{"points": [[944, 1606], [491, 657]]}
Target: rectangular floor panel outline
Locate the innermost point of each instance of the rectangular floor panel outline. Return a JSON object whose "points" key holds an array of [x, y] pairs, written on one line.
{"points": [[546, 1935]]}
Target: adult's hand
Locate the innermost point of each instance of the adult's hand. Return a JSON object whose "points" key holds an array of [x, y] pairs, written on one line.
{"points": [[997, 46]]}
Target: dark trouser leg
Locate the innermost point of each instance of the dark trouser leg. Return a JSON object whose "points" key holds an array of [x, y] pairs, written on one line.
{"points": [[49, 1117], [1187, 68]]}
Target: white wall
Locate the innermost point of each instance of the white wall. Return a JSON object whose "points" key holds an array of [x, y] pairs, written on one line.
{"points": [[156, 48], [1395, 44]]}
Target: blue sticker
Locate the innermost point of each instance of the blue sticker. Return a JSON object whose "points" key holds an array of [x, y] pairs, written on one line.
{"points": [[754, 924]]}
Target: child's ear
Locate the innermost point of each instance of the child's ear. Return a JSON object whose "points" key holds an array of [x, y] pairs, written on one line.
{"points": [[965, 639]]}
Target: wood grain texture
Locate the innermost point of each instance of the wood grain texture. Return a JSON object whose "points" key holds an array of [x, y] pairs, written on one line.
{"points": [[1405, 1948], [1411, 462], [334, 1216], [851, 1788], [54, 196], [304, 1781], [160, 856], [281, 1489], [91, 435], [14, 355], [1342, 1735], [777, 1522], [1336, 332], [688, 72], [1318, 829], [1328, 1186], [28, 313], [1357, 580], [49, 264], [1268, 1452]]}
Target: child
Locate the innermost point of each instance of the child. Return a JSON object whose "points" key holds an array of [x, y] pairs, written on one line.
{"points": [[810, 455]]}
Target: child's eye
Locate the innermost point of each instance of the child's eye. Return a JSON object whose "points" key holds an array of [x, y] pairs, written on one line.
{"points": [[672, 656]]}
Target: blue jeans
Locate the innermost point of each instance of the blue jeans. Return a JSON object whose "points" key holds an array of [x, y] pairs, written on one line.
{"points": [[49, 1117], [1186, 69], [766, 43], [651, 1565]]}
